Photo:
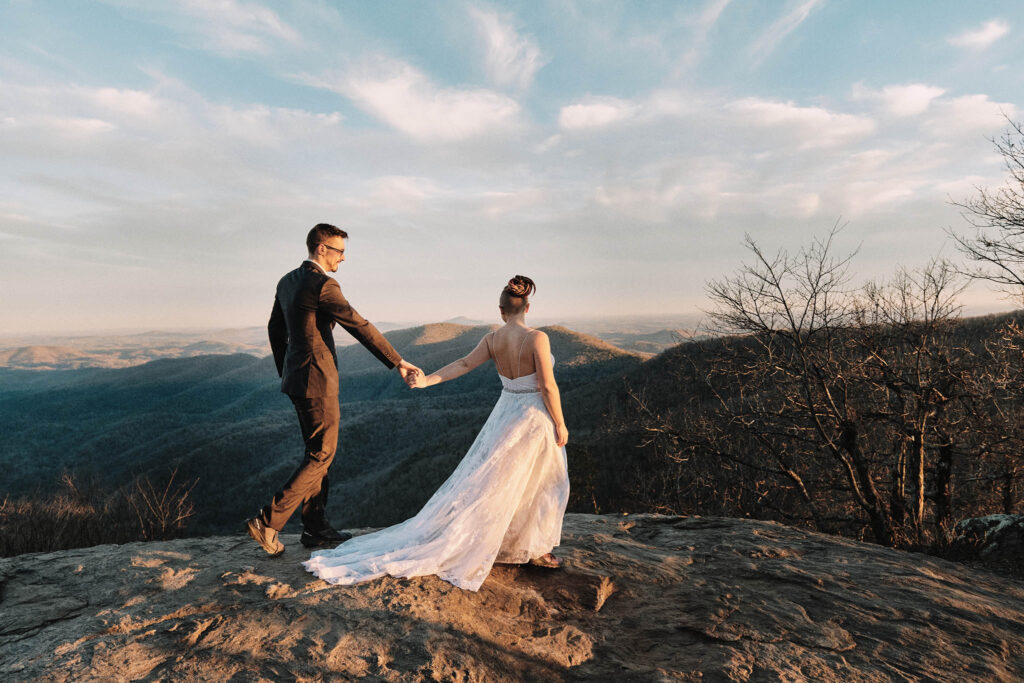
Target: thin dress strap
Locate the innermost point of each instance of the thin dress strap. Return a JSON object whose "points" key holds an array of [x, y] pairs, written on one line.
{"points": [[519, 356], [487, 339]]}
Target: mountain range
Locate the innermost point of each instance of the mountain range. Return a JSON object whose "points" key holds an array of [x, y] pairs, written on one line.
{"points": [[221, 421], [120, 350]]}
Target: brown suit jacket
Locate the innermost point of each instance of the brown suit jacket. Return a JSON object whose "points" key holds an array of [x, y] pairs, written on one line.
{"points": [[307, 305]]}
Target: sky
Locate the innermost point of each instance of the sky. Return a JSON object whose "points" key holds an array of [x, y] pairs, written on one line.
{"points": [[161, 163]]}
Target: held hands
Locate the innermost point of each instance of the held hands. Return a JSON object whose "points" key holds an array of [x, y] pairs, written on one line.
{"points": [[409, 372], [416, 381], [413, 376]]}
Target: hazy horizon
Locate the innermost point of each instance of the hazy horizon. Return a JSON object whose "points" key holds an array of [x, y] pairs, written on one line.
{"points": [[391, 324], [684, 320], [163, 163]]}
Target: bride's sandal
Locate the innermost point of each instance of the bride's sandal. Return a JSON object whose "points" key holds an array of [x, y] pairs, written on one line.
{"points": [[548, 561]]}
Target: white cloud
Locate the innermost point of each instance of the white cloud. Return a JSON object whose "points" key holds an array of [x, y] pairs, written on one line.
{"points": [[707, 188], [110, 147], [388, 190], [871, 161], [863, 196], [881, 180], [124, 102], [807, 204], [221, 183], [131, 118], [71, 133], [672, 103], [596, 113], [527, 202], [406, 99], [982, 37], [811, 126], [265, 126], [512, 60], [900, 100], [782, 27], [969, 115]]}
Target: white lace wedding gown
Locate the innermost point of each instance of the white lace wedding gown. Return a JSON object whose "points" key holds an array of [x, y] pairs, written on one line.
{"points": [[503, 503]]}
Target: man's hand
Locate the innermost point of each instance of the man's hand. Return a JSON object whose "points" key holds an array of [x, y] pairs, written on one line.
{"points": [[406, 369]]}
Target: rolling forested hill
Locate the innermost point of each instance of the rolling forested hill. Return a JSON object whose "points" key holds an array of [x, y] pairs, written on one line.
{"points": [[221, 420]]}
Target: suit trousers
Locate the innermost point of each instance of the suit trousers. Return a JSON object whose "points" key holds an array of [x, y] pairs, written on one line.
{"points": [[318, 419]]}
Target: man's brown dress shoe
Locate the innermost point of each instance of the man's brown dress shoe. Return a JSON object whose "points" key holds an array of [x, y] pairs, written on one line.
{"points": [[265, 536]]}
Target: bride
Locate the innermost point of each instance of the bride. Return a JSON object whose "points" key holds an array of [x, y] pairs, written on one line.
{"points": [[505, 500]]}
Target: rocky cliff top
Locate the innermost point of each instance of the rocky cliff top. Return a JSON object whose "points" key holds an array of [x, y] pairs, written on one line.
{"points": [[643, 597]]}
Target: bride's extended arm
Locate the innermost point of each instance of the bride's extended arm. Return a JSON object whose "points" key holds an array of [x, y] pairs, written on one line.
{"points": [[548, 387], [474, 359]]}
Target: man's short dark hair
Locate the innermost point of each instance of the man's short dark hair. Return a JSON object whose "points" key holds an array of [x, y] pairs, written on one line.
{"points": [[320, 232]]}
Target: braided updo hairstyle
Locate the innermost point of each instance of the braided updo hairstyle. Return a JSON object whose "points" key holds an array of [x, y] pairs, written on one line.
{"points": [[515, 296]]}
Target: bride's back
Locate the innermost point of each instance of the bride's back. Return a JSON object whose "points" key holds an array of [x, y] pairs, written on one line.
{"points": [[512, 348]]}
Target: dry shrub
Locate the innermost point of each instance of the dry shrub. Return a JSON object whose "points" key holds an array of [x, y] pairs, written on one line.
{"points": [[84, 513]]}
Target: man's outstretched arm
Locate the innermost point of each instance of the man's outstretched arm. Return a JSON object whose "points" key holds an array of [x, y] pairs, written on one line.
{"points": [[337, 307]]}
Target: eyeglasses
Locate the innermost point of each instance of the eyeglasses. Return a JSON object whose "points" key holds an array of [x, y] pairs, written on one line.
{"points": [[341, 252]]}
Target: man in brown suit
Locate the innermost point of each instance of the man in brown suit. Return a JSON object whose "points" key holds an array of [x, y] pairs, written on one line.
{"points": [[307, 305]]}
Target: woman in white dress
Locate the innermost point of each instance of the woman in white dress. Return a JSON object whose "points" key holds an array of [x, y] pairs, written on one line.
{"points": [[505, 500]]}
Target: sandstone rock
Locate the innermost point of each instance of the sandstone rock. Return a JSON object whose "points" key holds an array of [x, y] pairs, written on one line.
{"points": [[642, 598]]}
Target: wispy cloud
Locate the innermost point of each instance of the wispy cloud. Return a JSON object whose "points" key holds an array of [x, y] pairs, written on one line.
{"points": [[113, 133], [240, 26], [220, 26], [408, 100], [710, 14], [982, 37], [780, 28], [512, 59], [702, 25]]}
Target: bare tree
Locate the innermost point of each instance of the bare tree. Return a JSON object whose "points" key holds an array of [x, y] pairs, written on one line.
{"points": [[779, 381], [997, 247], [915, 371], [994, 414], [840, 395], [795, 369], [874, 409], [997, 216]]}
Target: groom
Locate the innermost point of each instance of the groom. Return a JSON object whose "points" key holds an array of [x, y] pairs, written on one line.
{"points": [[307, 305]]}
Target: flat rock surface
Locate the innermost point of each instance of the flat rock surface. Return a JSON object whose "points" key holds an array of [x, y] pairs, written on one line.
{"points": [[642, 598]]}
